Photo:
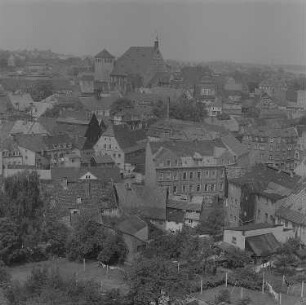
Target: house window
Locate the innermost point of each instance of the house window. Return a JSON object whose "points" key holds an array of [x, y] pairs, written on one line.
{"points": [[119, 155], [184, 188], [161, 176], [199, 175], [206, 173], [175, 176], [184, 176], [205, 187], [198, 187], [213, 173], [168, 176], [190, 188], [221, 186], [168, 162], [191, 175], [176, 162], [234, 240], [87, 177], [213, 187], [79, 200], [174, 189]]}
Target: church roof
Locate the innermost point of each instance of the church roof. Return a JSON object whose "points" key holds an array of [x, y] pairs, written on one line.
{"points": [[104, 54], [142, 61]]}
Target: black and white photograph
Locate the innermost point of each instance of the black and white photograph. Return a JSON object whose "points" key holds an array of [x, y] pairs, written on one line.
{"points": [[152, 152]]}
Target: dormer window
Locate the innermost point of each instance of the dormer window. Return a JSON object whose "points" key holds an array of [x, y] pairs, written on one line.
{"points": [[79, 200], [87, 177], [168, 162]]}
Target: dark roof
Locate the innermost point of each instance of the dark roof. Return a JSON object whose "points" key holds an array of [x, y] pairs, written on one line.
{"points": [[131, 225], [48, 123], [175, 215], [260, 176], [126, 138], [188, 148], [234, 145], [291, 215], [35, 142], [57, 139], [263, 245], [104, 54], [91, 103], [74, 174], [139, 61], [250, 227], [184, 206], [103, 159]]}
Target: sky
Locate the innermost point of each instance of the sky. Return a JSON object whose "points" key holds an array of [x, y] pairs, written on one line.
{"points": [[266, 32]]}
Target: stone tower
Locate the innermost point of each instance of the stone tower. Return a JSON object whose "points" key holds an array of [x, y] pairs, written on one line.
{"points": [[104, 64]]}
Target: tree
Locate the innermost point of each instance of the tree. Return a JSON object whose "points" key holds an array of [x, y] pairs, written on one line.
{"points": [[214, 223], [24, 205], [150, 279], [114, 250], [237, 258], [9, 240], [41, 90], [87, 240]]}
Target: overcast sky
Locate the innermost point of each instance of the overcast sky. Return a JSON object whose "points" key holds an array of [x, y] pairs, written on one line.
{"points": [[242, 31]]}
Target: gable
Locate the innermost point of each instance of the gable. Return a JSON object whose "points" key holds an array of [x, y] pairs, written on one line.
{"points": [[88, 176]]}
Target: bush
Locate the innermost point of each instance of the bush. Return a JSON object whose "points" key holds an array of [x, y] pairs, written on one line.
{"points": [[223, 296], [247, 278]]}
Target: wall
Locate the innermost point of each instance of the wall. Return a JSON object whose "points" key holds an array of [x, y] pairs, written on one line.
{"points": [[233, 204], [239, 242], [103, 69], [109, 146], [150, 172], [28, 156], [265, 210], [173, 226], [44, 174]]}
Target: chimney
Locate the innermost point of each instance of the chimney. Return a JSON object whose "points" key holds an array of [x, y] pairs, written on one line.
{"points": [[156, 44]]}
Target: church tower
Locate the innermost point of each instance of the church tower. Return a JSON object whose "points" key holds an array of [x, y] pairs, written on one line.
{"points": [[104, 65]]}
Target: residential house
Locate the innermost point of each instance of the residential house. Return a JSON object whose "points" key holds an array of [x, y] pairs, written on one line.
{"points": [[291, 213], [188, 167], [126, 147], [10, 154], [145, 201], [27, 127], [232, 108], [214, 108], [275, 88], [137, 67], [76, 190], [277, 147], [21, 101], [294, 111], [205, 90], [135, 234], [252, 197]]}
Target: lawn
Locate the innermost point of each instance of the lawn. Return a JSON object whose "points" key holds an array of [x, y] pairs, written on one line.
{"points": [[113, 280], [256, 296]]}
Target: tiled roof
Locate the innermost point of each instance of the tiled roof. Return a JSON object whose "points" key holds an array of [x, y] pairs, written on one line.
{"points": [[175, 215], [20, 101], [184, 206], [272, 132], [48, 123], [291, 215], [126, 138], [260, 176], [139, 61], [104, 54], [187, 148], [147, 201], [33, 143], [234, 145], [5, 129], [50, 141], [103, 159], [28, 127], [263, 245], [251, 227], [74, 174], [91, 103]]}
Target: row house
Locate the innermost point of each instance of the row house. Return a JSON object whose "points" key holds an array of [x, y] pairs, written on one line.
{"points": [[277, 147], [254, 196], [275, 88], [187, 167]]}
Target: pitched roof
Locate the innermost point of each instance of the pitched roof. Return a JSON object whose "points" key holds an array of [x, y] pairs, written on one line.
{"points": [[293, 216], [91, 103], [234, 145], [131, 225], [28, 127], [139, 61], [126, 138], [250, 227], [31, 142], [184, 206], [104, 54], [263, 245], [260, 176], [20, 101]]}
